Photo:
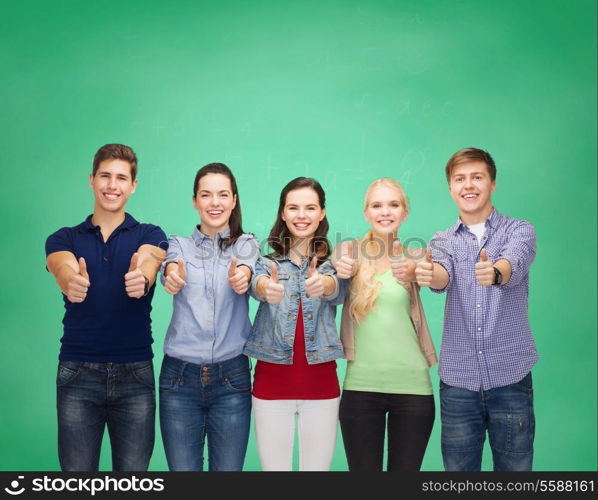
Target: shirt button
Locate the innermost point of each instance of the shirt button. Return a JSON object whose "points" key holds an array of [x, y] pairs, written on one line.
{"points": [[477, 305], [310, 316], [315, 356], [479, 352], [105, 259], [479, 329], [312, 338]]}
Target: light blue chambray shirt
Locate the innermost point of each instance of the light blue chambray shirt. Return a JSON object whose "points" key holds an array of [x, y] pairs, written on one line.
{"points": [[486, 340], [210, 322]]}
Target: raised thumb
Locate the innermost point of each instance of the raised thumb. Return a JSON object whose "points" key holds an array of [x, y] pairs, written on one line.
{"points": [[396, 249], [181, 268], [83, 268], [274, 276], [428, 255], [134, 262], [312, 266], [232, 268], [483, 255]]}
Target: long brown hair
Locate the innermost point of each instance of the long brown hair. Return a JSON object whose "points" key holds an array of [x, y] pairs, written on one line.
{"points": [[234, 222], [280, 238]]}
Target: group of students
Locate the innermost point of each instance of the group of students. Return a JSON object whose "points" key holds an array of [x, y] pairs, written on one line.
{"points": [[106, 268]]}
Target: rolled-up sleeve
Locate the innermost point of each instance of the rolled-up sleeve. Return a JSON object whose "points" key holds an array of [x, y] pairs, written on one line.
{"points": [[247, 252], [520, 251], [442, 253]]}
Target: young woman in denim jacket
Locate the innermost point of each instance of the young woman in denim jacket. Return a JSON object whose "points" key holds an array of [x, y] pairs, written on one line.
{"points": [[294, 335], [386, 341], [205, 383]]}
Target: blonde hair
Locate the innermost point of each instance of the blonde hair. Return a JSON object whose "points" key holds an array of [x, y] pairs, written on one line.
{"points": [[364, 287]]}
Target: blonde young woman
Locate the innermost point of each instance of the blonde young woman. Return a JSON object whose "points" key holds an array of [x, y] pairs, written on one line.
{"points": [[386, 342]]}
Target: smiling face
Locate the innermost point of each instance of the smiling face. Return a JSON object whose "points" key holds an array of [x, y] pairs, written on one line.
{"points": [[471, 187], [112, 185], [214, 203], [385, 210], [302, 213]]}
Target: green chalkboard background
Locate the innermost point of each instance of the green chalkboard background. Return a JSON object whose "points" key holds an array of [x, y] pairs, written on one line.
{"points": [[345, 91]]}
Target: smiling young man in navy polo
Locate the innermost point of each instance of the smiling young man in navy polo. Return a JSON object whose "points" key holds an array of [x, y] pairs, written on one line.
{"points": [[106, 268]]}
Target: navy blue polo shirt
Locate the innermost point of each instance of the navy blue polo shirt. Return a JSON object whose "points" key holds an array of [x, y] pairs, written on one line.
{"points": [[108, 325]]}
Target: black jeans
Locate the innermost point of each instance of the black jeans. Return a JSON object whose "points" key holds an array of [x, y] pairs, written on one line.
{"points": [[362, 417]]}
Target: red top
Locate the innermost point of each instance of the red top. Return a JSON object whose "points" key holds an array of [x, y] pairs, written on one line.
{"points": [[299, 380]]}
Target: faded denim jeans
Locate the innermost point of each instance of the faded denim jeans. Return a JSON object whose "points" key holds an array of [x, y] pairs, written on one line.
{"points": [[91, 396], [507, 413], [210, 401]]}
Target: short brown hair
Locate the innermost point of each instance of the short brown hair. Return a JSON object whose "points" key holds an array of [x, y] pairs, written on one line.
{"points": [[115, 152], [469, 155]]}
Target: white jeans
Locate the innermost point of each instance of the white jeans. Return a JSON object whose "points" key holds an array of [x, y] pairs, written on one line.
{"points": [[275, 432]]}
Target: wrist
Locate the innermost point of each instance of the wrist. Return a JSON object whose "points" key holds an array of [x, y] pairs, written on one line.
{"points": [[497, 277]]}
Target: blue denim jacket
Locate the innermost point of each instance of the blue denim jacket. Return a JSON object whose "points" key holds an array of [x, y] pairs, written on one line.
{"points": [[273, 332]]}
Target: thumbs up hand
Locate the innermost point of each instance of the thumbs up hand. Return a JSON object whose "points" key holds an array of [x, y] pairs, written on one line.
{"points": [[345, 266], [237, 279], [274, 291], [424, 270], [175, 279], [78, 284], [484, 270], [314, 284], [134, 279], [403, 269]]}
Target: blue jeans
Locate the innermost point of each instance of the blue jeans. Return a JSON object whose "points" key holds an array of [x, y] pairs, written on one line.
{"points": [[507, 413], [93, 395], [199, 401]]}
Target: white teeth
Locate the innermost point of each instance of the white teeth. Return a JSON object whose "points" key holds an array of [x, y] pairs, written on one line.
{"points": [[111, 196], [468, 196]]}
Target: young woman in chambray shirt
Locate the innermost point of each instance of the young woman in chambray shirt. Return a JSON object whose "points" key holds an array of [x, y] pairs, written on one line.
{"points": [[294, 335], [205, 385], [387, 389]]}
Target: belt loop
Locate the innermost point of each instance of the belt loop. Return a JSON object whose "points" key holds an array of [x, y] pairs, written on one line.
{"points": [[182, 370]]}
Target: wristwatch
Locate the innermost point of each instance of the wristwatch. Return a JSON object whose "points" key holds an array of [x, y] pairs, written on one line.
{"points": [[497, 277], [147, 287]]}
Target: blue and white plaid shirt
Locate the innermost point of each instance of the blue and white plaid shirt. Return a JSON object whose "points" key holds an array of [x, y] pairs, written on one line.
{"points": [[486, 340]]}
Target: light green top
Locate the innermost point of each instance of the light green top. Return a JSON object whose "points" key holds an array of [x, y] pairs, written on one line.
{"points": [[388, 358]]}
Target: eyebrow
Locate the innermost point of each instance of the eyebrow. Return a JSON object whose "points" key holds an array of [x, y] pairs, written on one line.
{"points": [[208, 191], [471, 173]]}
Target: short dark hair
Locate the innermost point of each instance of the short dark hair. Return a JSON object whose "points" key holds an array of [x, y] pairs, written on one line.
{"points": [[115, 152], [469, 155], [235, 221], [280, 236]]}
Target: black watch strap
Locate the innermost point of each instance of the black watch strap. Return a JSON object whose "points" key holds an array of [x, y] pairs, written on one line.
{"points": [[147, 287], [497, 277]]}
